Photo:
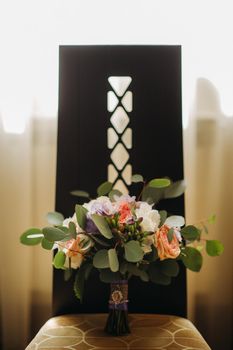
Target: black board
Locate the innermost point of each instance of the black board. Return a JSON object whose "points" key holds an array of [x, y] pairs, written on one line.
{"points": [[83, 155]]}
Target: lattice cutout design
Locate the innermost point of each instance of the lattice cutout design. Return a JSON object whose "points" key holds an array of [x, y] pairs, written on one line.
{"points": [[119, 136]]}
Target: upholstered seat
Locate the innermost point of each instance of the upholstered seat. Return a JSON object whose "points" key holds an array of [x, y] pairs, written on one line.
{"points": [[85, 332]]}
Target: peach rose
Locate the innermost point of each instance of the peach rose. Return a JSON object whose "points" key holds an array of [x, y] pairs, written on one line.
{"points": [[125, 212], [165, 249]]}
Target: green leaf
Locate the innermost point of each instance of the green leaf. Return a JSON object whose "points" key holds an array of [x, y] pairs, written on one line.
{"points": [[55, 218], [214, 247], [175, 189], [133, 251], [88, 268], [169, 267], [72, 229], [100, 260], [79, 193], [170, 235], [46, 244], [156, 275], [59, 260], [100, 241], [113, 260], [192, 258], [107, 276], [32, 236], [79, 284], [53, 234], [153, 255], [144, 276], [152, 195], [159, 183], [123, 267], [102, 225], [163, 216], [104, 188], [137, 178], [136, 271], [212, 219], [81, 215], [190, 233], [114, 193]]}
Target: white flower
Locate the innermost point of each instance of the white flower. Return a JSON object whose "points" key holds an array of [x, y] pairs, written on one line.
{"points": [[176, 222], [102, 205], [151, 217], [75, 261]]}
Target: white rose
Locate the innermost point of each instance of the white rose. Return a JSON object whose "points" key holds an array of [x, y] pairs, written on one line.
{"points": [[151, 217]]}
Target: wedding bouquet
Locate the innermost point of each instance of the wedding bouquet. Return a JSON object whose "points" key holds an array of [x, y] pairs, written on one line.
{"points": [[123, 236]]}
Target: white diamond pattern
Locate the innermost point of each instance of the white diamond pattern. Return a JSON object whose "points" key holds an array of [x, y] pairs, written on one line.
{"points": [[119, 120], [119, 156]]}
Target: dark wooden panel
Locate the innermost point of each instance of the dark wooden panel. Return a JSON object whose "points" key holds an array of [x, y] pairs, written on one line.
{"points": [[83, 155]]}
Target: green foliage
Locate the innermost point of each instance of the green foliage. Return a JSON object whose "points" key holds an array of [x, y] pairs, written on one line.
{"points": [[175, 189], [133, 251], [32, 236], [59, 260], [102, 225], [55, 218], [137, 178], [79, 193], [152, 195], [82, 274], [153, 255], [101, 242], [214, 247], [190, 233], [192, 258], [163, 216], [113, 260], [46, 244], [135, 270], [68, 274], [101, 260], [170, 235], [159, 183], [169, 267], [53, 234], [107, 276], [113, 193], [157, 276], [104, 188], [72, 229], [81, 215]]}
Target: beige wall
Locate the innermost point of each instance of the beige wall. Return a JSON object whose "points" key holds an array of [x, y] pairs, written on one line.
{"points": [[27, 188]]}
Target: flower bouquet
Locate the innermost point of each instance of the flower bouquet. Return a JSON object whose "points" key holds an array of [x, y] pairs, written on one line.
{"points": [[123, 236]]}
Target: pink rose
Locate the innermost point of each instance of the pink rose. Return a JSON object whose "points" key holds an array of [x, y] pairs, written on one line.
{"points": [[165, 249]]}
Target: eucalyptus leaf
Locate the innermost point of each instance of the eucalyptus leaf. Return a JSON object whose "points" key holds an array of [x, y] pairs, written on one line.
{"points": [[72, 229], [79, 193], [163, 216], [99, 241], [192, 258], [68, 274], [170, 235], [133, 251], [114, 193], [59, 260], [107, 276], [137, 178], [53, 234], [152, 195], [159, 183], [190, 233], [144, 276], [101, 260], [214, 247], [212, 219], [79, 283], [113, 260], [102, 225], [46, 244], [81, 215], [55, 218], [32, 236], [156, 275], [169, 267], [104, 188], [175, 189]]}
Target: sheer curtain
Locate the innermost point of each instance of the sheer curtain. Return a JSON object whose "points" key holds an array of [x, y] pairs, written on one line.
{"points": [[30, 33]]}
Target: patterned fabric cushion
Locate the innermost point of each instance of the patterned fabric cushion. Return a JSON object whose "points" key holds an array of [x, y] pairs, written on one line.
{"points": [[85, 332]]}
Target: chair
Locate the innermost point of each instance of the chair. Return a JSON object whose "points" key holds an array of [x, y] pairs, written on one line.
{"points": [[119, 113]]}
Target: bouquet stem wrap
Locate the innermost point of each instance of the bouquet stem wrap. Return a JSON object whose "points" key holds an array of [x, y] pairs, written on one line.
{"points": [[117, 322]]}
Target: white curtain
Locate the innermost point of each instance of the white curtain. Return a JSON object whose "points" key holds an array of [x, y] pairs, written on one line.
{"points": [[30, 32]]}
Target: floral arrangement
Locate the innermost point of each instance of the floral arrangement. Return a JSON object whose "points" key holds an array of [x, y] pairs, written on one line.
{"points": [[123, 236]]}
